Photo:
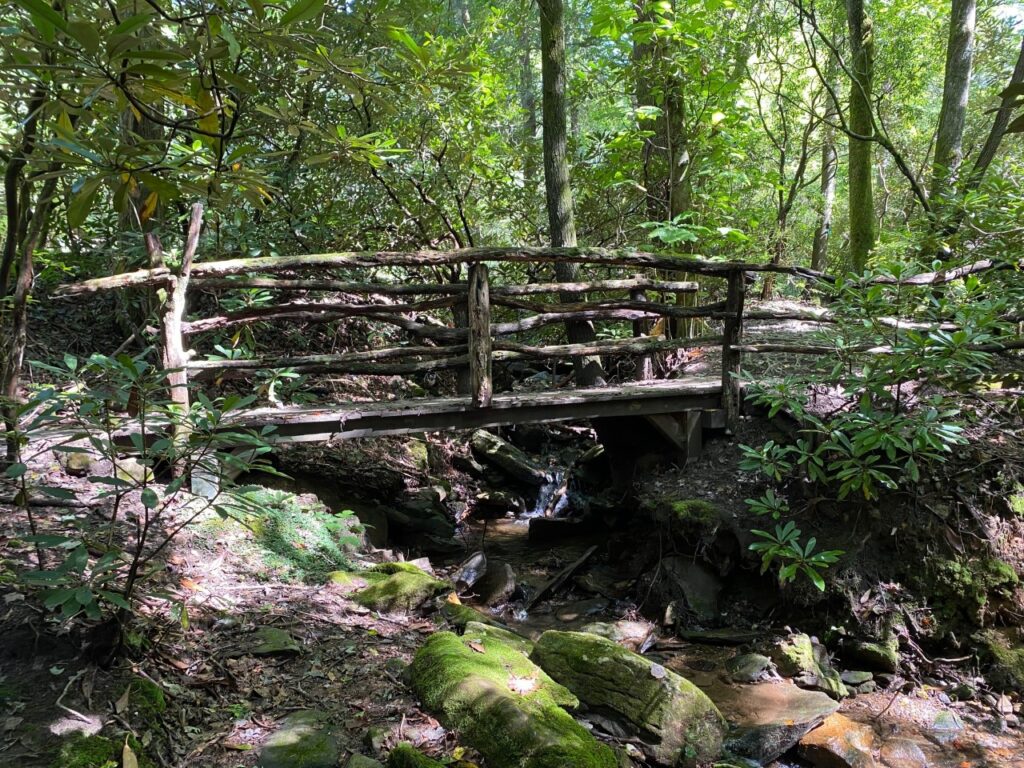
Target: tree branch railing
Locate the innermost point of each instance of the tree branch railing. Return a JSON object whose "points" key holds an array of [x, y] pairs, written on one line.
{"points": [[482, 339]]}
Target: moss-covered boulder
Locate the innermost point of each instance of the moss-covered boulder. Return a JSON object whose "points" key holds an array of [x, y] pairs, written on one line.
{"points": [[807, 662], [459, 615], [303, 740], [405, 589], [879, 656], [87, 752], [1006, 656], [484, 686], [407, 756], [146, 698], [673, 716]]}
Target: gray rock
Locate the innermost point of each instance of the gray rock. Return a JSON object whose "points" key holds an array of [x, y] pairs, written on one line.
{"points": [[770, 718], [471, 571], [693, 581], [854, 677], [269, 641], [301, 741], [807, 662], [361, 761], [78, 462], [749, 668], [634, 635], [506, 457], [132, 470], [498, 584], [903, 753]]}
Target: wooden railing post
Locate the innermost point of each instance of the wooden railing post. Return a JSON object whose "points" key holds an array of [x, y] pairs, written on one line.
{"points": [[645, 363], [175, 358], [732, 357], [479, 303]]}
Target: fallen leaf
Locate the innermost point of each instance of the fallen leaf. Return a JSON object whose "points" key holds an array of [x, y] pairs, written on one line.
{"points": [[122, 703], [236, 746], [128, 759], [477, 647]]}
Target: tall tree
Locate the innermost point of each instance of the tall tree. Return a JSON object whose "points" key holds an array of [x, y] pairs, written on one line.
{"points": [[862, 204], [955, 92], [556, 166]]}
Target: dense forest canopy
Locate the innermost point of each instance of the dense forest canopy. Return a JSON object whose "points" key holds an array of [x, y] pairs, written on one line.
{"points": [[575, 239], [311, 127]]}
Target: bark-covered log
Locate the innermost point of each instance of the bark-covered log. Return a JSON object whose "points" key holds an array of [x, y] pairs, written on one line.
{"points": [[502, 454], [732, 356], [605, 257]]}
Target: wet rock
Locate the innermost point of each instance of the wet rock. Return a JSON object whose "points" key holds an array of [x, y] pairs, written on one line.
{"points": [[854, 677], [770, 718], [459, 615], [693, 581], [903, 753], [471, 570], [725, 636], [493, 503], [506, 457], [580, 609], [807, 662], [270, 641], [839, 742], [548, 529], [498, 584], [301, 741], [502, 703], [750, 668], [677, 722], [405, 589], [407, 756], [637, 636], [945, 726], [879, 657], [361, 761]]}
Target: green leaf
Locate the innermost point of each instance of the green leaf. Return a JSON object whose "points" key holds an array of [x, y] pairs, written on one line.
{"points": [[257, 8], [302, 11], [149, 498], [115, 599], [44, 17], [57, 493], [15, 470], [78, 208], [87, 35], [131, 24]]}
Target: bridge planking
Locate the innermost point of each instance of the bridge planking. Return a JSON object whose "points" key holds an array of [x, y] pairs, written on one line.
{"points": [[341, 421]]}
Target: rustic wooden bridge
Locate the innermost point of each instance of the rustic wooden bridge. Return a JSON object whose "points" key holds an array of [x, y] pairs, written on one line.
{"points": [[467, 325]]}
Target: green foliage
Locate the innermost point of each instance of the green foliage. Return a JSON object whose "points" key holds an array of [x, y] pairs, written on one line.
{"points": [[782, 547], [85, 571], [297, 540]]}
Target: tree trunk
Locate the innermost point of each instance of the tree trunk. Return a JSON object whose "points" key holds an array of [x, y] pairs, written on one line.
{"points": [[999, 125], [556, 167], [829, 164], [528, 103], [955, 91], [862, 207]]}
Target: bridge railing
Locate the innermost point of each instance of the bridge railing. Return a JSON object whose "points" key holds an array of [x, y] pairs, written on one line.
{"points": [[479, 335]]}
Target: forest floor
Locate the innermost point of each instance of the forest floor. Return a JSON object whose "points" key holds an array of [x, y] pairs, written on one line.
{"points": [[222, 695]]}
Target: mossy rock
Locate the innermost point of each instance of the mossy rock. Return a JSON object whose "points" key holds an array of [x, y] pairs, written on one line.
{"points": [[88, 752], [484, 686], [407, 756], [1006, 658], [391, 568], [966, 587], [882, 657], [695, 512], [401, 591], [682, 725], [807, 662], [352, 580], [146, 698], [459, 615], [301, 741]]}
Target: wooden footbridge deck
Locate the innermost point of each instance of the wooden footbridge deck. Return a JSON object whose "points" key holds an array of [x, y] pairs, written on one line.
{"points": [[638, 301]]}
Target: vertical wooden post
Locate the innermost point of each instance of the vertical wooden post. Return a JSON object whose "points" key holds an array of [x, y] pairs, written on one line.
{"points": [[479, 303], [732, 358], [175, 358], [645, 364]]}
